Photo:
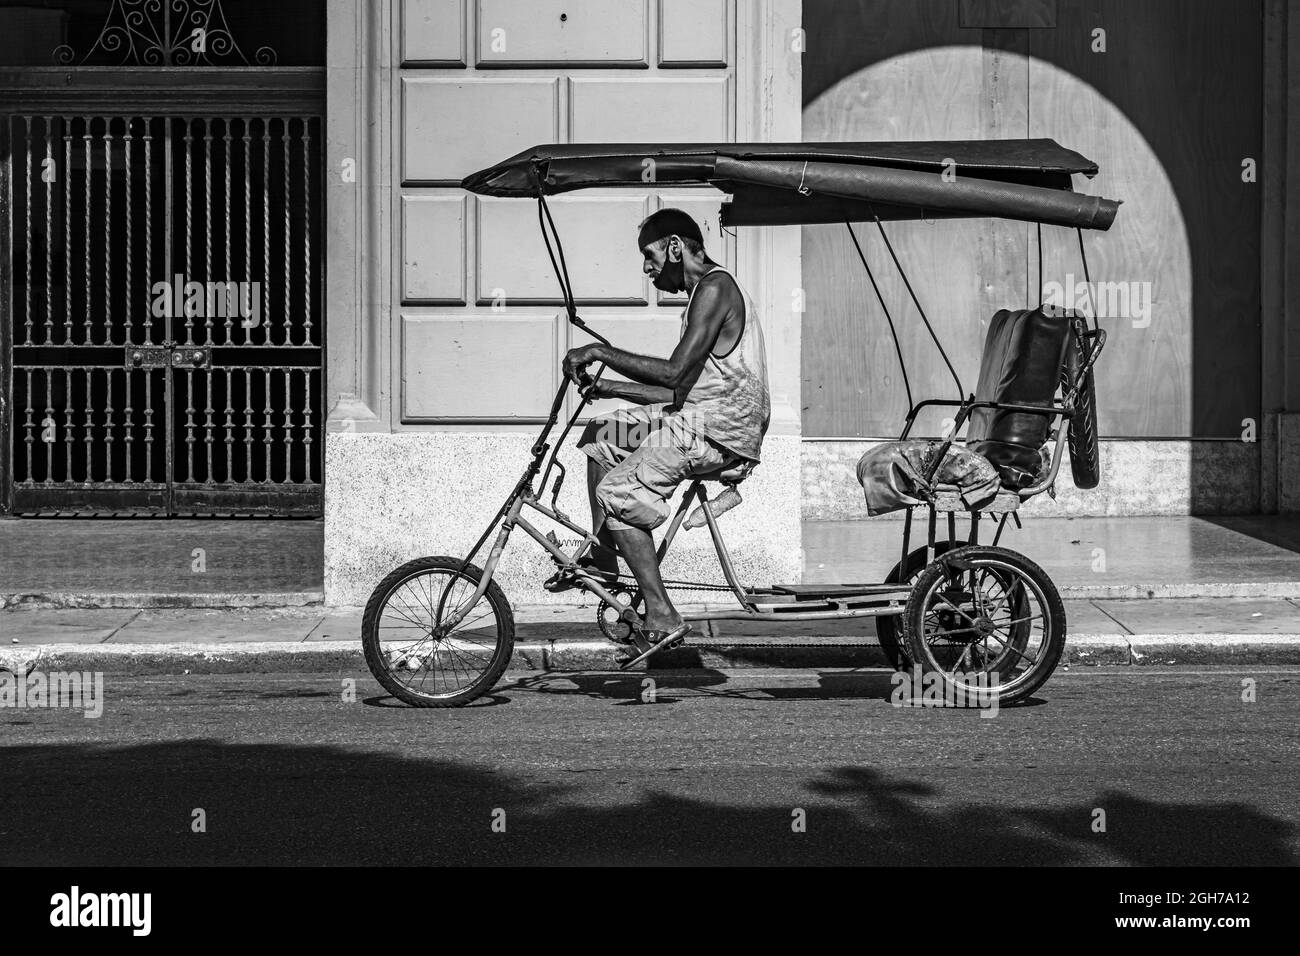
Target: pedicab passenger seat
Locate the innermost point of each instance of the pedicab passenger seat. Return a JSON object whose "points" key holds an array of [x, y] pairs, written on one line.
{"points": [[1004, 459]]}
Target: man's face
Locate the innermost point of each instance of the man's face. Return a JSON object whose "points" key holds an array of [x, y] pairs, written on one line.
{"points": [[663, 264]]}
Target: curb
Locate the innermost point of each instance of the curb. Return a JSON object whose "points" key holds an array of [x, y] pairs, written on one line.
{"points": [[1129, 592], [87, 600], [254, 657]]}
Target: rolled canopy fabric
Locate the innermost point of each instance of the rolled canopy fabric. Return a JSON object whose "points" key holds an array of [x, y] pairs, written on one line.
{"points": [[929, 192], [1014, 178]]}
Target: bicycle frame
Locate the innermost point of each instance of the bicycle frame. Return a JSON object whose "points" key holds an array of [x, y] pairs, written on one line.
{"points": [[810, 603], [790, 602]]}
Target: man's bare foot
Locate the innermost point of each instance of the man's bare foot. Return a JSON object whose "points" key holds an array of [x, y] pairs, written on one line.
{"points": [[662, 620], [657, 641]]}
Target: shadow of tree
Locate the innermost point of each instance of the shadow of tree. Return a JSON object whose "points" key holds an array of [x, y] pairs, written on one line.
{"points": [[278, 803]]}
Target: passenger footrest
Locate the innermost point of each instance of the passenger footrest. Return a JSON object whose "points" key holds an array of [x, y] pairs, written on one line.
{"points": [[821, 592], [948, 498]]}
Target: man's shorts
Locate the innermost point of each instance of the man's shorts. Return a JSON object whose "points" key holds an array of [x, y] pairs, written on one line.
{"points": [[648, 452]]}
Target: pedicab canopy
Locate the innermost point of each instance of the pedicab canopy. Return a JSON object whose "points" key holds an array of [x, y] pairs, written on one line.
{"points": [[775, 184]]}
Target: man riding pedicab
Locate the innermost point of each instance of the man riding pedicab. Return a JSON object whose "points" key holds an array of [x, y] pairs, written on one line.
{"points": [[702, 410]]}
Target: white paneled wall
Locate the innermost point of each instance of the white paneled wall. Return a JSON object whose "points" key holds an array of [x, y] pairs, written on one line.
{"points": [[482, 329], [599, 235], [433, 249], [546, 33], [453, 125]]}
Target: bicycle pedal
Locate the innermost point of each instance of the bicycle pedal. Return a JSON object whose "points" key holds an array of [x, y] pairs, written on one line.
{"points": [[648, 649]]}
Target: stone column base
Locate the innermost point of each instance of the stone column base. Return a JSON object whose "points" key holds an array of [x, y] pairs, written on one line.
{"points": [[1286, 461]]}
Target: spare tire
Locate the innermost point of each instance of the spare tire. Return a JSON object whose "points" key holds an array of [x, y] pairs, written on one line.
{"points": [[1085, 451]]}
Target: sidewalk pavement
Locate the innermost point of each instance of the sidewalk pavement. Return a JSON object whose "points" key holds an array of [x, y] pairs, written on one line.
{"points": [[130, 564], [224, 640], [123, 596]]}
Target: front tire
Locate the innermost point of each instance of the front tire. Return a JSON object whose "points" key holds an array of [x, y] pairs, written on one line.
{"points": [[407, 647]]}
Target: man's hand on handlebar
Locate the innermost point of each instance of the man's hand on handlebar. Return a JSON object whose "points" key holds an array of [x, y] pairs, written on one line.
{"points": [[575, 365]]}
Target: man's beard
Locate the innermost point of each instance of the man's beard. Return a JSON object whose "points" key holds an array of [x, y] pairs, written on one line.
{"points": [[671, 278]]}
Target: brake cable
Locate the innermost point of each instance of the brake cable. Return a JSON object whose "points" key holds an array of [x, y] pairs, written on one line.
{"points": [[566, 287], [562, 275]]}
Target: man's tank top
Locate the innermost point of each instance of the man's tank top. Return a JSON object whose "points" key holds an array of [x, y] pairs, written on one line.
{"points": [[730, 398]]}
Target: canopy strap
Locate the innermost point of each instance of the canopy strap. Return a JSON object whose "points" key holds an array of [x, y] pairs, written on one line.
{"points": [[1040, 265], [804, 190], [961, 393], [898, 349]]}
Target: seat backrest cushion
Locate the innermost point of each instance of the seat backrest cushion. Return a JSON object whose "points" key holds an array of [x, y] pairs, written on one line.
{"points": [[1023, 355]]}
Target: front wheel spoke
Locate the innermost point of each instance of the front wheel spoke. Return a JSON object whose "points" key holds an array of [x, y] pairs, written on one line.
{"points": [[401, 612], [438, 671], [454, 657], [409, 646], [474, 620], [460, 653], [469, 640]]}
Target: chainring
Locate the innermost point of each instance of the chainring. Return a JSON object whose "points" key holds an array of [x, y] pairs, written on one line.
{"points": [[609, 620]]}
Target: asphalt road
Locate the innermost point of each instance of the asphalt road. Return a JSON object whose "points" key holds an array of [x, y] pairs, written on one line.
{"points": [[717, 770]]}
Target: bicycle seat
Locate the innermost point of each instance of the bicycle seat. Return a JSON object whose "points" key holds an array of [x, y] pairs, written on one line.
{"points": [[732, 474]]}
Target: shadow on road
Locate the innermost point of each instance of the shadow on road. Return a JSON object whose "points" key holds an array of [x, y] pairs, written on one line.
{"points": [[324, 805], [629, 689]]}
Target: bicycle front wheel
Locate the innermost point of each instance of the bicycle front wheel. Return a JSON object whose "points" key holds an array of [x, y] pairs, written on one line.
{"points": [[410, 647]]}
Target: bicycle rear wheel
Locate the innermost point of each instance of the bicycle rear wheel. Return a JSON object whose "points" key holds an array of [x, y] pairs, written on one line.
{"points": [[411, 651], [982, 617]]}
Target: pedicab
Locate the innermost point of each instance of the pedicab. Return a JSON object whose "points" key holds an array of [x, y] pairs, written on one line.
{"points": [[439, 631]]}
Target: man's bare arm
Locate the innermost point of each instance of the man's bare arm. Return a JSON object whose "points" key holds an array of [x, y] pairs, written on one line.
{"points": [[710, 307], [635, 392]]}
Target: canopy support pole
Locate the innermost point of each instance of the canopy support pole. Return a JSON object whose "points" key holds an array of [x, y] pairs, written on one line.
{"points": [[961, 392], [1087, 279], [566, 287], [898, 349]]}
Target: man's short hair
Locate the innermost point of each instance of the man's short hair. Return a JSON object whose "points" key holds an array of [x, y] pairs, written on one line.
{"points": [[670, 222]]}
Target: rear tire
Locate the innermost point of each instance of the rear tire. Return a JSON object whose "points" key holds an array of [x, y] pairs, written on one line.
{"points": [[888, 627], [402, 650], [986, 614], [1085, 451]]}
